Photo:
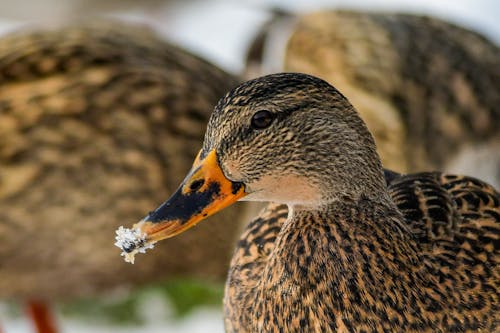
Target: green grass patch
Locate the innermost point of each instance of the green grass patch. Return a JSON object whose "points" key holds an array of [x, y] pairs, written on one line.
{"points": [[184, 295]]}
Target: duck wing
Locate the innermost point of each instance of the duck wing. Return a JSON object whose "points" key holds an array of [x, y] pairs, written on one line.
{"points": [[446, 211], [456, 221]]}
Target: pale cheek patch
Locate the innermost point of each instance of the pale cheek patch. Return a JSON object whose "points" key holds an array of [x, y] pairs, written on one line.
{"points": [[289, 189], [131, 242]]}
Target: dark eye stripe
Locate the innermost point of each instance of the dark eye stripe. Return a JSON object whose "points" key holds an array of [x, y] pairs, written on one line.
{"points": [[262, 119]]}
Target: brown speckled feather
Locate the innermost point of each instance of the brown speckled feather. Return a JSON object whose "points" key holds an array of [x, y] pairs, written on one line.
{"points": [[455, 221], [98, 122]]}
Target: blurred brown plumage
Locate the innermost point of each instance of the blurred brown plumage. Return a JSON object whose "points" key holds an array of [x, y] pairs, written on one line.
{"points": [[98, 123], [427, 89]]}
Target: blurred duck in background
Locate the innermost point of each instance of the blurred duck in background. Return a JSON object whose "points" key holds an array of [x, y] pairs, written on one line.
{"points": [[98, 122], [428, 90]]}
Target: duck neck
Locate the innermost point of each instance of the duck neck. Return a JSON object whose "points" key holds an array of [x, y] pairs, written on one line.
{"points": [[351, 220], [350, 235], [339, 262]]}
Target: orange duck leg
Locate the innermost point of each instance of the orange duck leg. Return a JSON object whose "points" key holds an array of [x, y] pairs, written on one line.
{"points": [[42, 316]]}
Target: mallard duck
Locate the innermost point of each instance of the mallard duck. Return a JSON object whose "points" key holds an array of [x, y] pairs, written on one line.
{"points": [[427, 89], [98, 121], [361, 248]]}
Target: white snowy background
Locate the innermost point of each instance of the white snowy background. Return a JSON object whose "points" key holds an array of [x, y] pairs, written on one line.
{"points": [[220, 31]]}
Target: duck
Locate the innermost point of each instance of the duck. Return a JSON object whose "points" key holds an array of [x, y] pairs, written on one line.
{"points": [[428, 96], [98, 121], [345, 244]]}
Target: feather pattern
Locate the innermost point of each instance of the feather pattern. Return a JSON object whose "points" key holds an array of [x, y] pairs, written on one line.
{"points": [[455, 222]]}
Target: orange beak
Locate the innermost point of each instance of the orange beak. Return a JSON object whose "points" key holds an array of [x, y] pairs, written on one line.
{"points": [[204, 192]]}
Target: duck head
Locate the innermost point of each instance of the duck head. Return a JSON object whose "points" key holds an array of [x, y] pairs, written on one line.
{"points": [[288, 138]]}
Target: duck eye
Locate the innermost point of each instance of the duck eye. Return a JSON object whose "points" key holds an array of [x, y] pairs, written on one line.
{"points": [[262, 119]]}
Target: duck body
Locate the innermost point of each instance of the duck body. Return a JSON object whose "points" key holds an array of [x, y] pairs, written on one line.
{"points": [[361, 248], [443, 238]]}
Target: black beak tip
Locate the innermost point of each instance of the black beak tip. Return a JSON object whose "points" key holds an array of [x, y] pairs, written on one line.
{"points": [[150, 217]]}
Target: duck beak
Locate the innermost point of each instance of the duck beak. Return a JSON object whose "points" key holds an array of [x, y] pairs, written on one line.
{"points": [[204, 191]]}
